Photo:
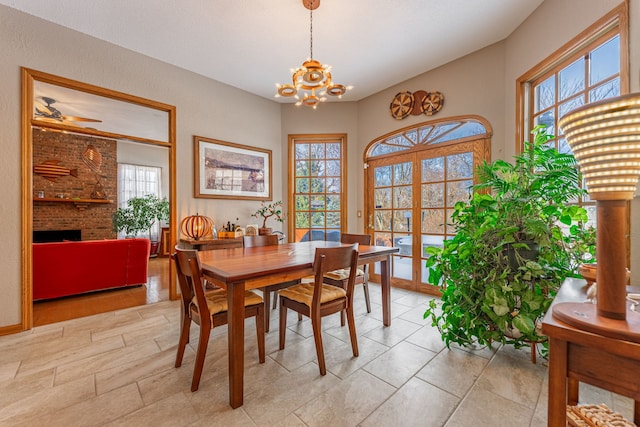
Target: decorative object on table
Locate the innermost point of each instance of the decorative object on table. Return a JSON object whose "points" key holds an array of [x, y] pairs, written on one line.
{"points": [[51, 170], [251, 230], [267, 211], [406, 103], [196, 226], [140, 215], [224, 170], [312, 76], [595, 415], [605, 136], [485, 298]]}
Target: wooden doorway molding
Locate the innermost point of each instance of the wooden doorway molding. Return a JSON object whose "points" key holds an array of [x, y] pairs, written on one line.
{"points": [[31, 77]]}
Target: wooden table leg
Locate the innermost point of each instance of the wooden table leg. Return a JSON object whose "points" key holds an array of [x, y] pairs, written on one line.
{"points": [[385, 278], [235, 319], [557, 400], [636, 412]]}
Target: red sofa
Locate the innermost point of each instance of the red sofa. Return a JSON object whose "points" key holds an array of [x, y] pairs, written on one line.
{"points": [[69, 268]]}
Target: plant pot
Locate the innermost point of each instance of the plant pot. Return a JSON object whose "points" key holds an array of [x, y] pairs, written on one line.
{"points": [[265, 230], [155, 245], [517, 256]]}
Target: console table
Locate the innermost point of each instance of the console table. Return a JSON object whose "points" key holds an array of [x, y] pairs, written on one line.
{"points": [[578, 356], [208, 244]]}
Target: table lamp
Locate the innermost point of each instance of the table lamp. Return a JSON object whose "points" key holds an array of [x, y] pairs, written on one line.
{"points": [[605, 139], [196, 226]]}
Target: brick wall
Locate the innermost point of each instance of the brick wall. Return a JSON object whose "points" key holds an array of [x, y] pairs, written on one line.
{"points": [[95, 220]]}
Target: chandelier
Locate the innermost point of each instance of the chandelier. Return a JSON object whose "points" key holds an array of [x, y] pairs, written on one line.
{"points": [[312, 76]]}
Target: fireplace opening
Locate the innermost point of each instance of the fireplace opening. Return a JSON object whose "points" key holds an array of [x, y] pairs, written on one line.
{"points": [[46, 236]]}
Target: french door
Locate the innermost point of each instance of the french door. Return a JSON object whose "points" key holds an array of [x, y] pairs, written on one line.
{"points": [[410, 200]]}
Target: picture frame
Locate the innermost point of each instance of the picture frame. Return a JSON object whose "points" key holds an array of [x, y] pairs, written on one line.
{"points": [[225, 170]]}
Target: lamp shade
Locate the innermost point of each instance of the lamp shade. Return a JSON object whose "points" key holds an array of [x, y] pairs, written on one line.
{"points": [[196, 226], [605, 139]]}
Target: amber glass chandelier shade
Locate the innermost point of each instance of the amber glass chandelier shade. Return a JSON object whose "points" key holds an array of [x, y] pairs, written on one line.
{"points": [[196, 226], [312, 81], [605, 139]]}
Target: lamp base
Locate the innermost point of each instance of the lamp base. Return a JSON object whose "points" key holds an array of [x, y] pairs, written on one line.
{"points": [[584, 316]]}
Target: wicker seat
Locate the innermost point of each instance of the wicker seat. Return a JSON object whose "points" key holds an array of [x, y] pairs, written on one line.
{"points": [[316, 300], [208, 310], [340, 277]]}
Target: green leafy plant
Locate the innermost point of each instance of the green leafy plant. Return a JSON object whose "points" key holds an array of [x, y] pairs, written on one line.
{"points": [[517, 239], [140, 214]]}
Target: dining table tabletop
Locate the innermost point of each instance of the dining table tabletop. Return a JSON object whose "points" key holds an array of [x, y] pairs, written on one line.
{"points": [[241, 269]]}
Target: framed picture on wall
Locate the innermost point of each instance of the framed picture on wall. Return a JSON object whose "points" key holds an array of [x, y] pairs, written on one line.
{"points": [[224, 170]]}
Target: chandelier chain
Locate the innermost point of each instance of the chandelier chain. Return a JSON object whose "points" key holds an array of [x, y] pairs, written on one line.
{"points": [[311, 33]]}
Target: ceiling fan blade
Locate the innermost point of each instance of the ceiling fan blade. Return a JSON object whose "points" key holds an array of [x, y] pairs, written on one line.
{"points": [[81, 119]]}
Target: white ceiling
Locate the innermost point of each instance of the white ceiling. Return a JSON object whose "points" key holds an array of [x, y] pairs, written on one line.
{"points": [[253, 44]]}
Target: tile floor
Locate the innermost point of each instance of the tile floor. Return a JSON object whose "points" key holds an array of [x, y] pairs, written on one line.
{"points": [[116, 369]]}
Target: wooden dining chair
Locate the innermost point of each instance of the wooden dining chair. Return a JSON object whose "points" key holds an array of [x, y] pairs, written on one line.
{"points": [[208, 309], [340, 277], [268, 240], [317, 299]]}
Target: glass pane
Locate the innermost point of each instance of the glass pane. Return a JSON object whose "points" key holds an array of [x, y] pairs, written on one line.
{"points": [[302, 151], [302, 168], [382, 198], [333, 185], [402, 221], [333, 151], [382, 220], [402, 197], [460, 166], [572, 79], [449, 228], [424, 133], [412, 135], [570, 105], [402, 173], [433, 169], [607, 90], [401, 268], [605, 61], [333, 203], [548, 119], [317, 219], [467, 129], [403, 243], [545, 94], [382, 176], [563, 146], [433, 221], [333, 167], [302, 185], [302, 220], [458, 191], [317, 151], [383, 148], [302, 203], [432, 195], [382, 239], [317, 203], [333, 219], [431, 241], [591, 213], [317, 185], [317, 168]]}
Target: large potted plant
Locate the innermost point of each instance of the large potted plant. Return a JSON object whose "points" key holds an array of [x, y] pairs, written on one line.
{"points": [[140, 215], [517, 238]]}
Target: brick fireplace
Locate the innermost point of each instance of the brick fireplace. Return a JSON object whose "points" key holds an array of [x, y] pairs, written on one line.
{"points": [[93, 220]]}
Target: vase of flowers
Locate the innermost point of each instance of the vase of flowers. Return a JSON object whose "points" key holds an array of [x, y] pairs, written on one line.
{"points": [[267, 211]]}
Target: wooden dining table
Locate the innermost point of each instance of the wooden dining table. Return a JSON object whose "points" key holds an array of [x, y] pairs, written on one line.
{"points": [[241, 269]]}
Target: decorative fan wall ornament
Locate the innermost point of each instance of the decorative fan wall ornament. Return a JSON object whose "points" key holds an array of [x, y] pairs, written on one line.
{"points": [[406, 103]]}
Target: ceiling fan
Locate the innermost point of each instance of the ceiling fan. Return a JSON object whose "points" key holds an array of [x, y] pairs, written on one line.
{"points": [[44, 111]]}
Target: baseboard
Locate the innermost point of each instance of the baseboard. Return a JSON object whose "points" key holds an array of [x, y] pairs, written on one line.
{"points": [[11, 329]]}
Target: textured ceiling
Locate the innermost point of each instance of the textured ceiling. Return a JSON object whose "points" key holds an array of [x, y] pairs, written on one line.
{"points": [[253, 44]]}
